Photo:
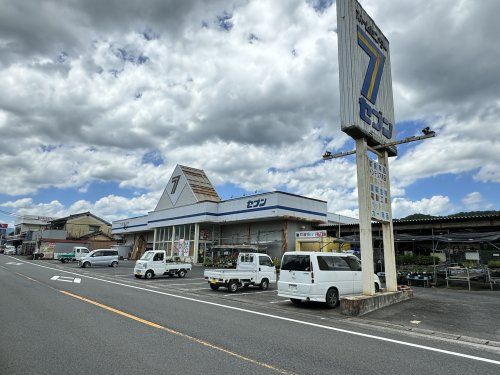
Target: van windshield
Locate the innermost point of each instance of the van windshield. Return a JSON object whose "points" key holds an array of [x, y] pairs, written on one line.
{"points": [[296, 263], [147, 256]]}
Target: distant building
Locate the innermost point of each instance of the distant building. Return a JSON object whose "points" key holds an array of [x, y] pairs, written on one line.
{"points": [[81, 224]]}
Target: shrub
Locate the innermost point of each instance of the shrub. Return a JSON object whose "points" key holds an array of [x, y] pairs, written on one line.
{"points": [[422, 260], [494, 264]]}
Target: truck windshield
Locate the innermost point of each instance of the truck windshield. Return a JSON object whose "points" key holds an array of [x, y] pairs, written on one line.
{"points": [[147, 256], [296, 263]]}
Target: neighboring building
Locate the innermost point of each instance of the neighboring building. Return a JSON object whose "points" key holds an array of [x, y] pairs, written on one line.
{"points": [[81, 224], [3, 234], [25, 229], [453, 238], [190, 218]]}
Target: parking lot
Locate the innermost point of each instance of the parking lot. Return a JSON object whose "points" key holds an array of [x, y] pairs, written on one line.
{"points": [[452, 311]]}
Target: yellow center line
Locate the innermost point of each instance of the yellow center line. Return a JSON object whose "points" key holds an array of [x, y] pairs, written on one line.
{"points": [[177, 333]]}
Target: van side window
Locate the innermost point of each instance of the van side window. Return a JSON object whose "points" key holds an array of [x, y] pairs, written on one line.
{"points": [[353, 263], [98, 254], [296, 263], [329, 263], [340, 264]]}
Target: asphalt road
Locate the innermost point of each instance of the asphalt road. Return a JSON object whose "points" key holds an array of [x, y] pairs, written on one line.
{"points": [[64, 320]]}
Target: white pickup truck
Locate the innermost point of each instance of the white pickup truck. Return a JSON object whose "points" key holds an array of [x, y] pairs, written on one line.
{"points": [[154, 263], [252, 269]]}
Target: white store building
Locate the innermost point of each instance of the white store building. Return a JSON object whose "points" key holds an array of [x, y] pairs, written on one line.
{"points": [[190, 218]]}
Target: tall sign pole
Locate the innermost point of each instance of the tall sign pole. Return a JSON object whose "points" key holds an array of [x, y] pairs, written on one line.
{"points": [[367, 115]]}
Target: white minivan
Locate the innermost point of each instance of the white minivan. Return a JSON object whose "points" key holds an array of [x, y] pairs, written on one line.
{"points": [[321, 277]]}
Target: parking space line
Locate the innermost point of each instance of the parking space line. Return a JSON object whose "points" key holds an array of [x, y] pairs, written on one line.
{"points": [[243, 293], [292, 320]]}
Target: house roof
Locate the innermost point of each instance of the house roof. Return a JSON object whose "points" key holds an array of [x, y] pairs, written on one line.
{"points": [[428, 220], [95, 234], [74, 216]]}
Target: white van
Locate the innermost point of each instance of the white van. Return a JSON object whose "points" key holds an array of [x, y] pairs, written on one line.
{"points": [[321, 277]]}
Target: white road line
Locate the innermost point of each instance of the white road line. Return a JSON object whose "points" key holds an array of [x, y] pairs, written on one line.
{"points": [[241, 294], [310, 324], [67, 279], [187, 290], [14, 263], [166, 284]]}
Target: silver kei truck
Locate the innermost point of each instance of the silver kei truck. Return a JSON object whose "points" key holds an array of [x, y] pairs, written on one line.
{"points": [[251, 269], [154, 263]]}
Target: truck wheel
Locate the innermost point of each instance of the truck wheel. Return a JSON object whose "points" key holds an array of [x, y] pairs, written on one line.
{"points": [[332, 298], [149, 274], [264, 284], [214, 286], [232, 286], [181, 273], [86, 264], [114, 264], [296, 301]]}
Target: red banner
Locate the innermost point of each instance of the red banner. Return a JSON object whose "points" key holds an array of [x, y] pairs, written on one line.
{"points": [[4, 225]]}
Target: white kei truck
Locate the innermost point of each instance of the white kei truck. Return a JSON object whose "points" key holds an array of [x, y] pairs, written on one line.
{"points": [[251, 269], [154, 263]]}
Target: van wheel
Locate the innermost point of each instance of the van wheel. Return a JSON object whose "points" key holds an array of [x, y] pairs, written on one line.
{"points": [[181, 273], [232, 286], [332, 298], [214, 286], [149, 274], [114, 264], [296, 301], [264, 284], [377, 288], [86, 264]]}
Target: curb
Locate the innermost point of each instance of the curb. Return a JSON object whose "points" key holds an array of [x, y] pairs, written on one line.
{"points": [[444, 335]]}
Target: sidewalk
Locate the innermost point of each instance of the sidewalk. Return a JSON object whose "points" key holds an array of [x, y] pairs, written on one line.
{"points": [[474, 314]]}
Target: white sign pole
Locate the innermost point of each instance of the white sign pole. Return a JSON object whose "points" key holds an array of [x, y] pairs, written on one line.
{"points": [[365, 225], [388, 235]]}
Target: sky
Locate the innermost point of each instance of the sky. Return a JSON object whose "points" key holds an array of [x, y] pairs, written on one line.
{"points": [[100, 100]]}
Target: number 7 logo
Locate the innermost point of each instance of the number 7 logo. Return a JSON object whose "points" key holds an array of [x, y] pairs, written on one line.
{"points": [[175, 182], [375, 67]]}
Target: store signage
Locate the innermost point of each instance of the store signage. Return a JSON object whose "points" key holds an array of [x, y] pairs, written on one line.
{"points": [[256, 203], [4, 225], [366, 102], [379, 191], [311, 234]]}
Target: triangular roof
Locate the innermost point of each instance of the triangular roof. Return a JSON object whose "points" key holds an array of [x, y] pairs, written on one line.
{"points": [[74, 216], [187, 186]]}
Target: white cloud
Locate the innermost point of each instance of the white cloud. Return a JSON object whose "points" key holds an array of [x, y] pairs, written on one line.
{"points": [[474, 201], [437, 205], [85, 98]]}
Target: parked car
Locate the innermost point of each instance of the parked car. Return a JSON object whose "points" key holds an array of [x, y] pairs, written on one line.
{"points": [[251, 269], [321, 277], [100, 257], [154, 263], [77, 253], [10, 250]]}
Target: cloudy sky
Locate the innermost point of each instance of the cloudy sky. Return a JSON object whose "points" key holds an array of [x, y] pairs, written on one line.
{"points": [[99, 100]]}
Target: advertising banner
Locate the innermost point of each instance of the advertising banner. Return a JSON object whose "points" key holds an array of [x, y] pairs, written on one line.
{"points": [[366, 102], [379, 192]]}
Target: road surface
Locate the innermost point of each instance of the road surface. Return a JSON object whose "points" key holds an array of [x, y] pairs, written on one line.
{"points": [[60, 320]]}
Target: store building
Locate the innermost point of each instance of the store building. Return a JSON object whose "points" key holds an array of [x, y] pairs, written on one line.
{"points": [[190, 218]]}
